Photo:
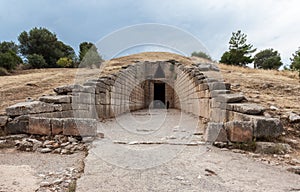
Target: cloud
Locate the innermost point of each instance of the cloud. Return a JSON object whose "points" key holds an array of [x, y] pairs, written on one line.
{"points": [[268, 23]]}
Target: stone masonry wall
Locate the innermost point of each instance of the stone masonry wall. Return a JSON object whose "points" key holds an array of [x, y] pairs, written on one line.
{"points": [[197, 89]]}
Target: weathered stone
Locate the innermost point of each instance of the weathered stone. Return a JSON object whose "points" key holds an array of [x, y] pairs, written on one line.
{"points": [[266, 127], [18, 125], [219, 86], [272, 148], [239, 131], [39, 126], [25, 108], [56, 99], [215, 132], [64, 90], [294, 169], [85, 89], [57, 126], [80, 127], [230, 98], [294, 118], [45, 150], [3, 120], [84, 98], [247, 108], [216, 93]]}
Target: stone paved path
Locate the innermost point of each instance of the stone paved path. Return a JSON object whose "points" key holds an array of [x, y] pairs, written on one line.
{"points": [[162, 151]]}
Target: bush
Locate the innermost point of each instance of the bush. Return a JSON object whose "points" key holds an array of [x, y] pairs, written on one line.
{"points": [[201, 55], [9, 60], [3, 71], [64, 62], [36, 61]]}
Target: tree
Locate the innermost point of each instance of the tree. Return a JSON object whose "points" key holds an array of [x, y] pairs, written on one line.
{"points": [[295, 65], [36, 61], [9, 60], [42, 42], [88, 55], [65, 62], [239, 51], [8, 55], [201, 55], [6, 46], [267, 59]]}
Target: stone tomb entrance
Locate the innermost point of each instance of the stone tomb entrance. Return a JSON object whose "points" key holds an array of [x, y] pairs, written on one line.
{"points": [[194, 88], [158, 94]]}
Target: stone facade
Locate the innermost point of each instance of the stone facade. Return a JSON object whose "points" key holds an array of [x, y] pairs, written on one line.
{"points": [[195, 89]]}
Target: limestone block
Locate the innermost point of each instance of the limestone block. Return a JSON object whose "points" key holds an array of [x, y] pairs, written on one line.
{"points": [[80, 127], [232, 115], [216, 93], [39, 126], [25, 108], [266, 127], [230, 98], [247, 108], [239, 131], [65, 89], [219, 86], [84, 98], [85, 89], [218, 115], [215, 132], [18, 125], [56, 99], [272, 148], [57, 125]]}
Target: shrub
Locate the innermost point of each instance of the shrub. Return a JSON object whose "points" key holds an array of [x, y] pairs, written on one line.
{"points": [[36, 61], [201, 55], [9, 60], [3, 71], [64, 62]]}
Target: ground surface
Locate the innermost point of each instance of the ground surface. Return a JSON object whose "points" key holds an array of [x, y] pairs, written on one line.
{"points": [[178, 163]]}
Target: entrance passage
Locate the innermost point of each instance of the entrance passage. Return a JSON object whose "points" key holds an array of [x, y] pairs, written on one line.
{"points": [[159, 95]]}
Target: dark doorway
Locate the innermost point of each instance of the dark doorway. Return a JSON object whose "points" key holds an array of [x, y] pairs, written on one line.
{"points": [[159, 95]]}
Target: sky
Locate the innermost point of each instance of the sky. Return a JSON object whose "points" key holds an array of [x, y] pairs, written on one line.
{"points": [[267, 23]]}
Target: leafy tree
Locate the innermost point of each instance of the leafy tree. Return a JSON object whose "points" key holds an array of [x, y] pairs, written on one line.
{"points": [[88, 55], [9, 60], [36, 61], [239, 51], [42, 42], [267, 59], [9, 46], [201, 55], [65, 62], [295, 65]]}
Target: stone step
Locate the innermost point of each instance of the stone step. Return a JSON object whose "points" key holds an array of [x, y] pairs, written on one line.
{"points": [[230, 98], [246, 108]]}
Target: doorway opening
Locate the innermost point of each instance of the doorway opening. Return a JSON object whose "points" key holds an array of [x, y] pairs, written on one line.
{"points": [[159, 95]]}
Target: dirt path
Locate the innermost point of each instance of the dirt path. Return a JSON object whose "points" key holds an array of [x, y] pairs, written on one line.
{"points": [[134, 157]]}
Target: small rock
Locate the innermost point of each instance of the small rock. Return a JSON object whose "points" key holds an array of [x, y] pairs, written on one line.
{"points": [[64, 144], [294, 118], [45, 184], [180, 178], [72, 140], [87, 139], [47, 142], [272, 148], [65, 151], [45, 150], [273, 108], [58, 150], [295, 169]]}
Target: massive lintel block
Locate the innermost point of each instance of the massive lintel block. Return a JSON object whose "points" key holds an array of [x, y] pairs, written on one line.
{"points": [[266, 127], [33, 107], [239, 131], [56, 99], [80, 127], [230, 98], [246, 108], [18, 125], [215, 132], [39, 126]]}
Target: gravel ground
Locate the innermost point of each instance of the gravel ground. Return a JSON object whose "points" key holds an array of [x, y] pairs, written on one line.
{"points": [[127, 160]]}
